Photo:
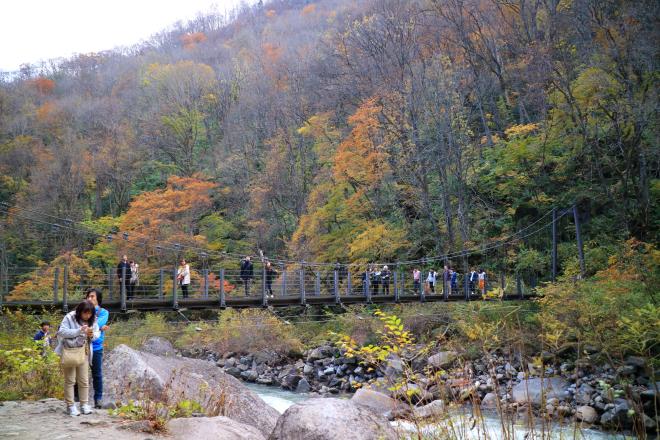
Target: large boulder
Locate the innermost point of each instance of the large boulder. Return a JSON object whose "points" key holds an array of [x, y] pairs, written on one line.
{"points": [[158, 346], [586, 414], [203, 428], [374, 400], [433, 410], [131, 374], [324, 351], [331, 419], [442, 359], [537, 389]]}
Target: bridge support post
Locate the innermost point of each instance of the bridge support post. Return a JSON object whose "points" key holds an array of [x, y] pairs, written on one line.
{"points": [[65, 290], [175, 302], [122, 294], [466, 286], [111, 277], [56, 282], [402, 290], [367, 287], [349, 287], [554, 245], [303, 301], [421, 288], [578, 236], [223, 304], [335, 285], [283, 282], [206, 283], [161, 282], [396, 285], [264, 297], [317, 284]]}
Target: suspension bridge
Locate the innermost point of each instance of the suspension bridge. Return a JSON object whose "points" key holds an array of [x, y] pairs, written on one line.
{"points": [[292, 283]]}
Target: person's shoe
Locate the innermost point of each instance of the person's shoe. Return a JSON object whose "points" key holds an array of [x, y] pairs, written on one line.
{"points": [[73, 410], [86, 409], [98, 404]]}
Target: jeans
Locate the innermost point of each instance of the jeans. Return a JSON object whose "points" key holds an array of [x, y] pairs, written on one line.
{"points": [[184, 290], [97, 374]]}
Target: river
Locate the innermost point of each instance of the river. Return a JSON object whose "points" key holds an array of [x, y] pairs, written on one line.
{"points": [[490, 429]]}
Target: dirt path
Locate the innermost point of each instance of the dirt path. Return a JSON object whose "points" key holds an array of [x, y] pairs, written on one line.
{"points": [[45, 419]]}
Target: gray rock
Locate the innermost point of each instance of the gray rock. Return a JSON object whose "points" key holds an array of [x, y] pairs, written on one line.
{"points": [[130, 374], [308, 369], [617, 417], [231, 362], [158, 346], [379, 402], [212, 428], [586, 414], [442, 359], [433, 410], [250, 375], [393, 367], [535, 390], [320, 353], [233, 371], [584, 394], [303, 386], [636, 361], [331, 419], [290, 381], [489, 401], [266, 357]]}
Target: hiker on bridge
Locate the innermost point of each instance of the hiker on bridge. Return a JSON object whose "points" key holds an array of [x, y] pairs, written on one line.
{"points": [[385, 276], [430, 280], [453, 277], [417, 278], [124, 275], [183, 277], [271, 273], [134, 281], [247, 274], [482, 281], [474, 277], [375, 280]]}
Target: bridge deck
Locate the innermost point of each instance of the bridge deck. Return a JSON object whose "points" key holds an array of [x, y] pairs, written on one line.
{"points": [[156, 304]]}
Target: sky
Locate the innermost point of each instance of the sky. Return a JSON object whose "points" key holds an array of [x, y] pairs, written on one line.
{"points": [[35, 30]]}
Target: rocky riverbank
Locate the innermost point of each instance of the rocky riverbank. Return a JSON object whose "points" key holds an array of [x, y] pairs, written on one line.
{"points": [[621, 399]]}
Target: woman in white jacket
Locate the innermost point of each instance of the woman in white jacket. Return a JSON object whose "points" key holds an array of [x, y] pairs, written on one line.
{"points": [[183, 277], [77, 330]]}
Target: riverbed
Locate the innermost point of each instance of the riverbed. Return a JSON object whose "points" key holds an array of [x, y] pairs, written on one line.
{"points": [[461, 425]]}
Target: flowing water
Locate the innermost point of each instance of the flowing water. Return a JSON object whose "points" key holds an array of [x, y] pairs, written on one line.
{"points": [[461, 426]]}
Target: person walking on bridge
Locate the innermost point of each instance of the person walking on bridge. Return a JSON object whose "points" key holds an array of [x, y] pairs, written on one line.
{"points": [[474, 277], [271, 273], [385, 276], [430, 279], [482, 281], [247, 274], [417, 279], [124, 275], [183, 277]]}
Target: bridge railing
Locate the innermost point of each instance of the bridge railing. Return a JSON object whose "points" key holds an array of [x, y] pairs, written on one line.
{"points": [[66, 286]]}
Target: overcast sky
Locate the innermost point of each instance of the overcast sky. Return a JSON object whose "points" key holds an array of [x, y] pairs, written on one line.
{"points": [[34, 30]]}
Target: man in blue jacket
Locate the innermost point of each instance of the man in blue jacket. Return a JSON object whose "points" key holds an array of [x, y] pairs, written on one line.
{"points": [[102, 315]]}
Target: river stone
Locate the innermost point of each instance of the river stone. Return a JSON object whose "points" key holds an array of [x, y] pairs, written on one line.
{"points": [[433, 410], [308, 369], [583, 394], [586, 414], [290, 381], [303, 386], [250, 375], [212, 428], [158, 346], [130, 374], [374, 400], [320, 353], [331, 419], [442, 359], [532, 390], [489, 401]]}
